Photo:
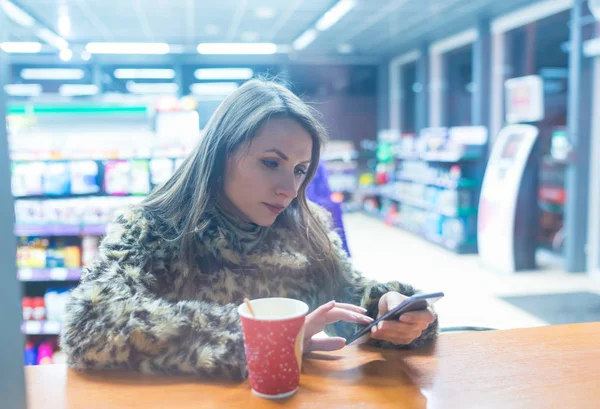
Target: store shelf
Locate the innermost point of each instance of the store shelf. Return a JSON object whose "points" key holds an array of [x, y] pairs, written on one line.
{"points": [[447, 157], [49, 274], [443, 183], [461, 211], [450, 157], [40, 327], [468, 247], [60, 230]]}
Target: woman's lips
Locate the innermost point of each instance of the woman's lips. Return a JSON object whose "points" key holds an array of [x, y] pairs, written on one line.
{"points": [[274, 208]]}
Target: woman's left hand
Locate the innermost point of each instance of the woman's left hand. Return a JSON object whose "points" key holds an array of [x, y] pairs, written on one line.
{"points": [[409, 326]]}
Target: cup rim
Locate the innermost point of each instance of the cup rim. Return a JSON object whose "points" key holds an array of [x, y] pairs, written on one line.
{"points": [[242, 310]]}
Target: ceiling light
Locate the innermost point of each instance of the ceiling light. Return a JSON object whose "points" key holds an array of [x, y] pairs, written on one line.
{"points": [[54, 40], [305, 39], [237, 48], [223, 73], [345, 49], [52, 74], [213, 88], [16, 14], [145, 73], [127, 48], [66, 54], [152, 87], [64, 24], [23, 90], [21, 47], [85, 56], [212, 30], [334, 14], [73, 90], [250, 36], [265, 13]]}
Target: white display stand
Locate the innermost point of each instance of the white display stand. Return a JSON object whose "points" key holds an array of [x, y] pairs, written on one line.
{"points": [[498, 239]]}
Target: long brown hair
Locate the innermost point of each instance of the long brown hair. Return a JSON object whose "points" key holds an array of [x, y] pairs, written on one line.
{"points": [[184, 200]]}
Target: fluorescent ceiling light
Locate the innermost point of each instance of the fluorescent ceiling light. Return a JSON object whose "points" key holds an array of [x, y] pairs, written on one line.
{"points": [[16, 14], [52, 74], [23, 90], [237, 48], [127, 48], [54, 40], [145, 73], [152, 87], [72, 90], [334, 14], [223, 73], [213, 88], [64, 23], [265, 12], [305, 39], [21, 47], [66, 54], [345, 48]]}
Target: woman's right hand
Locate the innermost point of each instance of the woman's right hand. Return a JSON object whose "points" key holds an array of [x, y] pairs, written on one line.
{"points": [[326, 314]]}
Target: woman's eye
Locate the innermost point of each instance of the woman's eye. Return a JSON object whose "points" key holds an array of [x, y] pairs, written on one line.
{"points": [[270, 163], [300, 171]]}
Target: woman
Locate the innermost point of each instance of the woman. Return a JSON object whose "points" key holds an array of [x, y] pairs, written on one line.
{"points": [[232, 222]]}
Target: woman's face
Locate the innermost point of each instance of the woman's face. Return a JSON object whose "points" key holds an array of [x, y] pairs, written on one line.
{"points": [[261, 180]]}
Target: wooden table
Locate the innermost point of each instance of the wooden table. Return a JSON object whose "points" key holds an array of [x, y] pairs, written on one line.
{"points": [[546, 367]]}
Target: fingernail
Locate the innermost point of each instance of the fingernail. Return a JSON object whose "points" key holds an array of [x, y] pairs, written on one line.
{"points": [[380, 325], [363, 309], [373, 329]]}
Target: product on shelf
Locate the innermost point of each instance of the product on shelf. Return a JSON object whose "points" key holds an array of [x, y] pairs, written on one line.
{"points": [[39, 309], [30, 354], [116, 177], [27, 178], [34, 252], [45, 352], [56, 301], [84, 177], [139, 177], [27, 308], [89, 247], [161, 170], [56, 180], [75, 212]]}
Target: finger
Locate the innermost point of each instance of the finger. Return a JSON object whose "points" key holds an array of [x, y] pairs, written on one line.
{"points": [[417, 317], [351, 307], [324, 308], [339, 314], [326, 344], [396, 332]]}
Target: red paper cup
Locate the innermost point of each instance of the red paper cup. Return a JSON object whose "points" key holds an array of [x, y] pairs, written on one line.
{"points": [[273, 340]]}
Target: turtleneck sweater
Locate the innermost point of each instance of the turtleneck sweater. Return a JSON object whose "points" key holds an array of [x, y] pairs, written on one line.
{"points": [[140, 306]]}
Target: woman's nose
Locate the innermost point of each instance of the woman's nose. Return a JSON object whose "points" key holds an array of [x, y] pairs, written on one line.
{"points": [[287, 187]]}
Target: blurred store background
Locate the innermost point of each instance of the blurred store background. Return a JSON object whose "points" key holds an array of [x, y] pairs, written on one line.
{"points": [[463, 153]]}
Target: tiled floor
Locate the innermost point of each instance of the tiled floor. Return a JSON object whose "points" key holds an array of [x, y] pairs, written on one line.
{"points": [[387, 253]]}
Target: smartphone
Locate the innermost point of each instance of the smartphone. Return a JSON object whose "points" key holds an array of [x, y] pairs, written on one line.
{"points": [[416, 302]]}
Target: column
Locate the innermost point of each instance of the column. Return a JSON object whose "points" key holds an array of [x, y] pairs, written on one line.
{"points": [[577, 174], [421, 111], [480, 101], [12, 383]]}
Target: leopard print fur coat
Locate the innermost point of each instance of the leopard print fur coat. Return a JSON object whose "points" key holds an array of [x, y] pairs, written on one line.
{"points": [[140, 307]]}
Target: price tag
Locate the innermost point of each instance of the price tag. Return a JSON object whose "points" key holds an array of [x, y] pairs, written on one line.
{"points": [[33, 327], [52, 327], [58, 274], [25, 274]]}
